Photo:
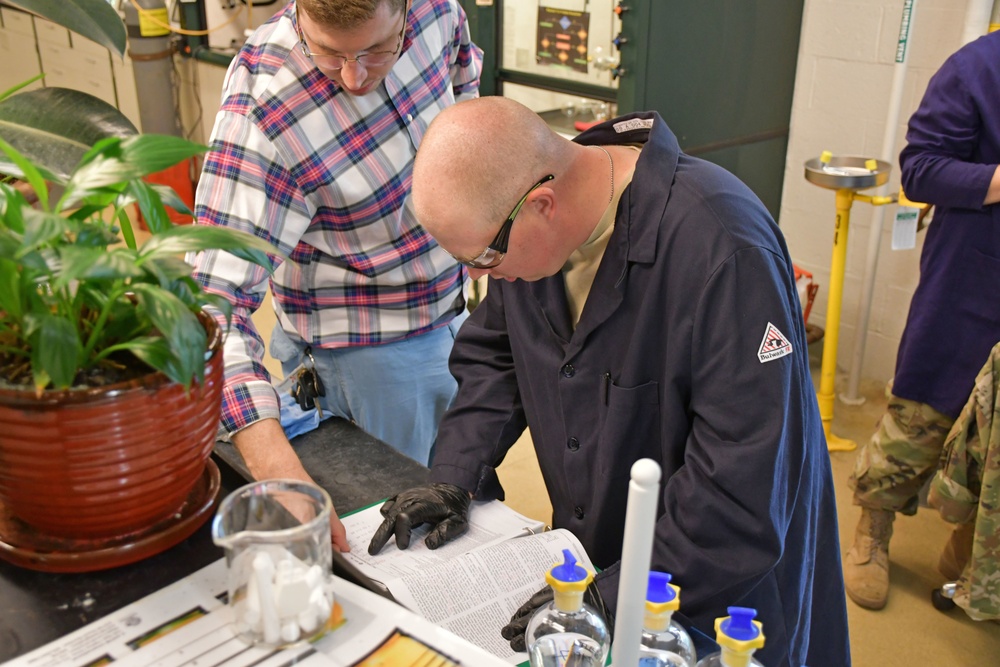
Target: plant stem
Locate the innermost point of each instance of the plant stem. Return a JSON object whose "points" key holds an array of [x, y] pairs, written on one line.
{"points": [[102, 319]]}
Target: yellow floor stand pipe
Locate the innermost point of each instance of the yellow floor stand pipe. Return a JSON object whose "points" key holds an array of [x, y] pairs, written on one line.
{"points": [[828, 369]]}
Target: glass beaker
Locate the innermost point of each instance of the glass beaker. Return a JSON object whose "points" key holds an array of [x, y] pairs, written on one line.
{"points": [[276, 534]]}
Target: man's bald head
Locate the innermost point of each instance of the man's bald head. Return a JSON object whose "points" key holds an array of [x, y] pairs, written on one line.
{"points": [[477, 158]]}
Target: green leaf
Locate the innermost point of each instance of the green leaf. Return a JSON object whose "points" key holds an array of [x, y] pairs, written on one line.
{"points": [[56, 350], [10, 290], [151, 206], [171, 198], [82, 263], [151, 349], [167, 268], [181, 329], [194, 238], [140, 156], [94, 19], [126, 226], [224, 305], [41, 228], [57, 139], [13, 205], [24, 84], [25, 169], [96, 236], [10, 244], [41, 263]]}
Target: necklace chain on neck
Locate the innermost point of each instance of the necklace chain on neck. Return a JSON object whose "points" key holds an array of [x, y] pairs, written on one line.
{"points": [[611, 160]]}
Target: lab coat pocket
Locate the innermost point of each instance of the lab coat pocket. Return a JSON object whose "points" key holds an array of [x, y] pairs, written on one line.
{"points": [[631, 427]]}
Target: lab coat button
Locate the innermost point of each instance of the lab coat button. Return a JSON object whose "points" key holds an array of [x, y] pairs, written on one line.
{"points": [[578, 511], [568, 370], [573, 444]]}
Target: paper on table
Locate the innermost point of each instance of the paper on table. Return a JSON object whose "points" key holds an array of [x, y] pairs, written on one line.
{"points": [[473, 585], [188, 623]]}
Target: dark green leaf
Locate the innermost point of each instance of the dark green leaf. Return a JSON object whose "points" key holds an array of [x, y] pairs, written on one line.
{"points": [[180, 327], [94, 19], [151, 349], [72, 122], [56, 350], [151, 206], [10, 289], [82, 263], [96, 236]]}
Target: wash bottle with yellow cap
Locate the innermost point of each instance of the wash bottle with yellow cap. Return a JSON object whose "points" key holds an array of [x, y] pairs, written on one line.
{"points": [[664, 642], [567, 632], [739, 636]]}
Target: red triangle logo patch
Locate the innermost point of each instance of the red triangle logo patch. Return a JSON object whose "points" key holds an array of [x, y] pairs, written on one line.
{"points": [[774, 345]]}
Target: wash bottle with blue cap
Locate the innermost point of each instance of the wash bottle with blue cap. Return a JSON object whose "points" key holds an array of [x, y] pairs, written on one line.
{"points": [[567, 632], [664, 642], [739, 636]]}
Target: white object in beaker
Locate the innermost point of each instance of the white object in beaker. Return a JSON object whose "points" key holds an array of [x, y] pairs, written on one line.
{"points": [[276, 534]]}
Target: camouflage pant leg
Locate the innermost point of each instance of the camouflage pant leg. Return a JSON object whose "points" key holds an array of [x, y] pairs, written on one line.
{"points": [[900, 457], [967, 490]]}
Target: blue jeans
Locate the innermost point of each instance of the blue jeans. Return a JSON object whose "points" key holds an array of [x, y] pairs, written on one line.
{"points": [[397, 391]]}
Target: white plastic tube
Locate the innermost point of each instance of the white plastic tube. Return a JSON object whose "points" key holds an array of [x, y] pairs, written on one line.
{"points": [[637, 551], [977, 20], [852, 396]]}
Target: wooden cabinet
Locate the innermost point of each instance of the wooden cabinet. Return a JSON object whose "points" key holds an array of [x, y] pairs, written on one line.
{"points": [[18, 51], [30, 45]]}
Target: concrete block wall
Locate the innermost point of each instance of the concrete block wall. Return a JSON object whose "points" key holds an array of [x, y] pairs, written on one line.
{"points": [[843, 80]]}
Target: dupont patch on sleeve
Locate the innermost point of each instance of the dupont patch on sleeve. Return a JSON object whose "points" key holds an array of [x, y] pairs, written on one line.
{"points": [[633, 124], [774, 345]]}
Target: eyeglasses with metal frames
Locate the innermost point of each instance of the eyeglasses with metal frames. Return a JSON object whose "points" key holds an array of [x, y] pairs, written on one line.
{"points": [[332, 62], [497, 249]]}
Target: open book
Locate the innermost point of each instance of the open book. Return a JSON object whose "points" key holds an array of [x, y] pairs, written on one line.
{"points": [[473, 584]]}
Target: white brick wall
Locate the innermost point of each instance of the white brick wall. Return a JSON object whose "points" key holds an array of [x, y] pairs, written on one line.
{"points": [[841, 100]]}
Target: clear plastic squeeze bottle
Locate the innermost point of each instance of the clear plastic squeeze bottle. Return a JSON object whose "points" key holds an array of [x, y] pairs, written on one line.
{"points": [[567, 632], [664, 642], [739, 636]]}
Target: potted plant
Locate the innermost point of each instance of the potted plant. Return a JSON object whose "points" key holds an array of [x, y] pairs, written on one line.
{"points": [[110, 371]]}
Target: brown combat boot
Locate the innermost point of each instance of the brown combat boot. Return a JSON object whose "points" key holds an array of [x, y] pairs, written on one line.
{"points": [[866, 565], [957, 552]]}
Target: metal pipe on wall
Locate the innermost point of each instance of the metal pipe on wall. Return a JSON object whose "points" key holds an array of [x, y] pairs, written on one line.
{"points": [[151, 51], [852, 396]]}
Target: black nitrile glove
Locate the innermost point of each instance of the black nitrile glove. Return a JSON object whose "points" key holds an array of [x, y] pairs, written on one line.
{"points": [[515, 629], [446, 506]]}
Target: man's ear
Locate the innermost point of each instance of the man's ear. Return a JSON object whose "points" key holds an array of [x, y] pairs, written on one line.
{"points": [[543, 202]]}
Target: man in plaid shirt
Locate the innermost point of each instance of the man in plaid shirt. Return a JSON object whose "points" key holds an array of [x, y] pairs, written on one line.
{"points": [[322, 113]]}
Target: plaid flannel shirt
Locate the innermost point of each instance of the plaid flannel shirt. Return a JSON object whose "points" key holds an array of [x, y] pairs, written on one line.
{"points": [[326, 176]]}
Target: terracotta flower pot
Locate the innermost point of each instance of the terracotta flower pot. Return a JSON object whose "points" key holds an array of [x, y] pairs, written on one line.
{"points": [[103, 464]]}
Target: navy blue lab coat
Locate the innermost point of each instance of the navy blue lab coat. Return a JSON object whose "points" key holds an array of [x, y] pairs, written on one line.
{"points": [[665, 363], [952, 151]]}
